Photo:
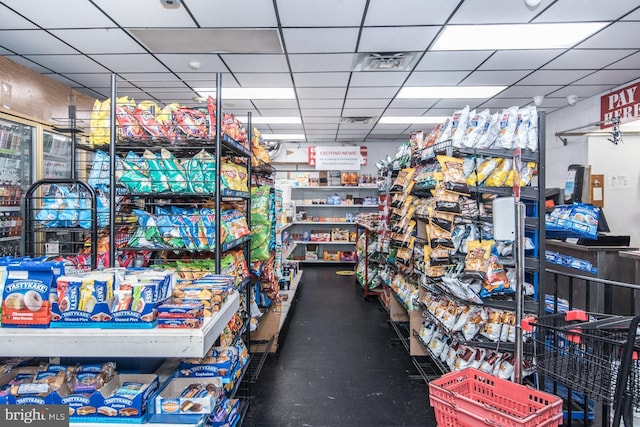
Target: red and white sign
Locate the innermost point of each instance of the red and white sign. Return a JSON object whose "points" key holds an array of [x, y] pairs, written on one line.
{"points": [[623, 103], [337, 157]]}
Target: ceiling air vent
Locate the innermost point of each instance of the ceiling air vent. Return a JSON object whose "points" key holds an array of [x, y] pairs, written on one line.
{"points": [[357, 120], [388, 61]]}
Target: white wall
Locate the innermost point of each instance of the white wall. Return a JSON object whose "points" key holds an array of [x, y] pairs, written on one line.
{"points": [[621, 201]]}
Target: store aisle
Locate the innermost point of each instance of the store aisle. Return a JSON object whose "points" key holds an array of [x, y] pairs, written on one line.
{"points": [[337, 365]]}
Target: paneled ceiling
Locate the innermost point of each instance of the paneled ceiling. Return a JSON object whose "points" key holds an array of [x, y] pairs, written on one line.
{"points": [[313, 47]]}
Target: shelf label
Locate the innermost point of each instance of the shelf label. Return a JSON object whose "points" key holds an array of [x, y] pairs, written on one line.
{"points": [[337, 157]]}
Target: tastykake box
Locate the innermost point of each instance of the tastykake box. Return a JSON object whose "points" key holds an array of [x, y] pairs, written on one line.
{"points": [[171, 405]]}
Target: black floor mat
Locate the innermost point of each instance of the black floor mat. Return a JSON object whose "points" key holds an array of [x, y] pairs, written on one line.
{"points": [[337, 365]]}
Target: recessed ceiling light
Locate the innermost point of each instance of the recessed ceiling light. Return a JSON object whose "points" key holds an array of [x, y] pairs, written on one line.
{"points": [[283, 136], [412, 120], [515, 36], [249, 92], [437, 92], [272, 120]]}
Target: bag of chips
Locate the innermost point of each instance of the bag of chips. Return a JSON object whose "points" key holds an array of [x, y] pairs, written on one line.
{"points": [[508, 123], [476, 128], [453, 177]]}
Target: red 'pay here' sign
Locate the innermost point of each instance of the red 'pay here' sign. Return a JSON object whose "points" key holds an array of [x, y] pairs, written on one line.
{"points": [[623, 103]]}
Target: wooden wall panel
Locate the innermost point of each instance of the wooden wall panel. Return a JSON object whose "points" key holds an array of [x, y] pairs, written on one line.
{"points": [[38, 97]]}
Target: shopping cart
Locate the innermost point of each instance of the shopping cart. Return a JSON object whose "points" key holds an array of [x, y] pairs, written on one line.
{"points": [[590, 353]]}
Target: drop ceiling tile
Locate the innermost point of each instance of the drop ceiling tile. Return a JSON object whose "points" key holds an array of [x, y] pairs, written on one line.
{"points": [[582, 91], [396, 39], [320, 79], [327, 13], [285, 128], [322, 62], [587, 58], [170, 97], [202, 79], [501, 11], [440, 112], [585, 10], [145, 13], [13, 21], [63, 80], [522, 91], [279, 112], [520, 59], [240, 13], [266, 104], [371, 92], [264, 79], [179, 63], [242, 105], [452, 60], [494, 78], [495, 104], [130, 63], [553, 102], [100, 40], [266, 63], [33, 42], [553, 77], [153, 80], [412, 103], [321, 103], [378, 78], [458, 104], [353, 132], [50, 14], [620, 35], [362, 112], [632, 62], [633, 16], [396, 112], [68, 63], [320, 112], [366, 103], [325, 127], [390, 129], [28, 63], [612, 77], [408, 12], [436, 78], [323, 120], [102, 80], [320, 92], [320, 40]]}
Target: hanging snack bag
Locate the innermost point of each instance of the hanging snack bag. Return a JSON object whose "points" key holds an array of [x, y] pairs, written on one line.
{"points": [[191, 123], [478, 255], [476, 127], [402, 180], [532, 134], [453, 174], [174, 172], [459, 126], [234, 177], [492, 329], [155, 166], [496, 281], [473, 324], [522, 128], [446, 201], [499, 175], [99, 175], [490, 132], [145, 114], [508, 123]]}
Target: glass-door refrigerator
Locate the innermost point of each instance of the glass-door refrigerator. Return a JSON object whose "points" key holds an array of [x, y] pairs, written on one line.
{"points": [[56, 155], [16, 160]]}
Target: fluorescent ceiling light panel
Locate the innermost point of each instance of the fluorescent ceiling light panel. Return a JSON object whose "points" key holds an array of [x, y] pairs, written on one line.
{"points": [[272, 120], [249, 92], [439, 92], [515, 36], [412, 120], [283, 136]]}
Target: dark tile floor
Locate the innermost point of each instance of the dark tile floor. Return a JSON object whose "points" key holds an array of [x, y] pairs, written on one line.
{"points": [[337, 365]]}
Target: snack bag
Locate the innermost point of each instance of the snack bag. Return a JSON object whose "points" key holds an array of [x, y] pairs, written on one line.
{"points": [[522, 128], [192, 123], [490, 133], [459, 126], [453, 176], [208, 163], [508, 123], [499, 175], [476, 128], [532, 133], [99, 175], [174, 172], [129, 126], [145, 114], [477, 259], [234, 177], [485, 169], [155, 166], [165, 118]]}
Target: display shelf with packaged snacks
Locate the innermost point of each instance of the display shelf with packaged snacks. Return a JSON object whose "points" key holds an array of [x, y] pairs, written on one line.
{"points": [[441, 223]]}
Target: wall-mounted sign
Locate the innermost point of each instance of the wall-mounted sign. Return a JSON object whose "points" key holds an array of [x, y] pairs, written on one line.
{"points": [[623, 103], [337, 157]]}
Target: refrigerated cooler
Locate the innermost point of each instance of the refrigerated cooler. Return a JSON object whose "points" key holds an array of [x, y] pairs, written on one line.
{"points": [[16, 162], [56, 155]]}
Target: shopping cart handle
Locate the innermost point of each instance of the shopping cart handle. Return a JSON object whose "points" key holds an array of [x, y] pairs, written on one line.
{"points": [[576, 315], [527, 324]]}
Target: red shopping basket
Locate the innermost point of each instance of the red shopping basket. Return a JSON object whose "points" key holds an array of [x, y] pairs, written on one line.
{"points": [[470, 398]]}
